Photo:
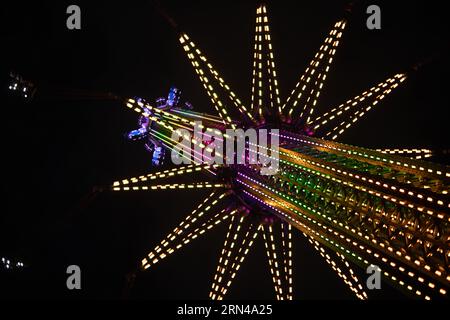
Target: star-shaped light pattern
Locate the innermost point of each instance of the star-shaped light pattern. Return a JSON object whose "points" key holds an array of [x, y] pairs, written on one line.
{"points": [[357, 207]]}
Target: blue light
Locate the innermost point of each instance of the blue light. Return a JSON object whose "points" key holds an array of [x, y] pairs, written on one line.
{"points": [[174, 97]]}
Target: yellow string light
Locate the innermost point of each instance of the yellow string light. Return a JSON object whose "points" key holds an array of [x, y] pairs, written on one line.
{"points": [[410, 153], [164, 174], [169, 244], [279, 275], [226, 272], [231, 95], [351, 280], [350, 104], [218, 105], [344, 125], [317, 69], [197, 185]]}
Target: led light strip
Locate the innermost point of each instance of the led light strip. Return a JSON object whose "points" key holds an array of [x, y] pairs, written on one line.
{"points": [[224, 257], [331, 242], [276, 283], [171, 143], [202, 116], [155, 257], [165, 174], [140, 110], [270, 246], [231, 95], [244, 248], [218, 292], [411, 153], [376, 255], [357, 289], [315, 93], [353, 102], [256, 61], [377, 184], [185, 224], [197, 185], [386, 185], [287, 256], [273, 82], [328, 48], [344, 125], [366, 154], [218, 105], [397, 200], [380, 244]]}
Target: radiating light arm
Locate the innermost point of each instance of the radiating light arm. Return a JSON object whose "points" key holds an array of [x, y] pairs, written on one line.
{"points": [[344, 125], [169, 244], [256, 100], [311, 100], [264, 68], [176, 172], [415, 153], [212, 222], [276, 281], [355, 102], [278, 263], [233, 256], [196, 214], [225, 256], [308, 89], [286, 235], [190, 47], [217, 103], [273, 81], [172, 186], [350, 279]]}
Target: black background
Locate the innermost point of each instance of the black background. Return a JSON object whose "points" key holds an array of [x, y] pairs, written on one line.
{"points": [[58, 147]]}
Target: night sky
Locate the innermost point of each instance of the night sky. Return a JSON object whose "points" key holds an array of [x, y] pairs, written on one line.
{"points": [[57, 148]]}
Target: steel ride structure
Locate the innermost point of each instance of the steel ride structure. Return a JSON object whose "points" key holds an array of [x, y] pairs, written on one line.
{"points": [[357, 207]]}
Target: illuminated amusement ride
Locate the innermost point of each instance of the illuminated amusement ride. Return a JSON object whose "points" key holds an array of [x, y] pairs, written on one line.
{"points": [[357, 207]]}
